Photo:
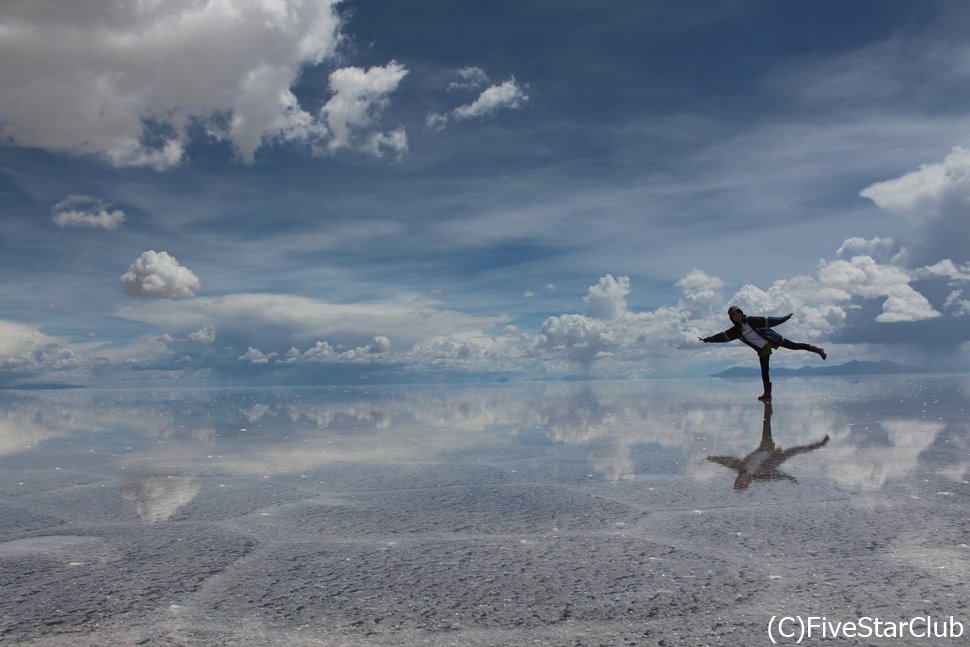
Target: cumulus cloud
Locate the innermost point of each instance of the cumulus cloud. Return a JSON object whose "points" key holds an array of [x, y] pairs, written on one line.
{"points": [[158, 274], [256, 356], [863, 276], [131, 82], [956, 277], [25, 350], [607, 299], [506, 95], [922, 193], [947, 269], [848, 299], [859, 296], [85, 211], [577, 337], [937, 198], [700, 288], [323, 352], [380, 344], [699, 284], [359, 97], [883, 250], [205, 335], [474, 351]]}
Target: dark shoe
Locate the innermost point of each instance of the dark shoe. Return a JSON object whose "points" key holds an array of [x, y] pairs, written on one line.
{"points": [[766, 396]]}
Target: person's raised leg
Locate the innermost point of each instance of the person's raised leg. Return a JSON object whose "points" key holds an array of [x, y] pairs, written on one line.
{"points": [[790, 345]]}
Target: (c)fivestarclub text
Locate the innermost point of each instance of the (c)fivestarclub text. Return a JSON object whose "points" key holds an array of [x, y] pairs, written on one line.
{"points": [[798, 628]]}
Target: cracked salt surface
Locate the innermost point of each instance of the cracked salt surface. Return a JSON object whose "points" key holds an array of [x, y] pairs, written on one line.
{"points": [[644, 513]]}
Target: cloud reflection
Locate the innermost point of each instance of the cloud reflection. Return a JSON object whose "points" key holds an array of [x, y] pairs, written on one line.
{"points": [[615, 425], [157, 498]]}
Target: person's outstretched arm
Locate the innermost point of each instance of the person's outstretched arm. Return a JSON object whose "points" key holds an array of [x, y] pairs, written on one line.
{"points": [[721, 337], [728, 461], [788, 453], [771, 322]]}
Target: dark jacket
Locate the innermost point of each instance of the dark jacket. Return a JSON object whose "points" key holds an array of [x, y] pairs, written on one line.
{"points": [[761, 325]]}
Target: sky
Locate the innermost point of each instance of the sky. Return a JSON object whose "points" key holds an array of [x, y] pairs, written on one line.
{"points": [[310, 191]]}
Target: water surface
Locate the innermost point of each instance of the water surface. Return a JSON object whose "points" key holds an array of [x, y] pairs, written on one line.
{"points": [[562, 514]]}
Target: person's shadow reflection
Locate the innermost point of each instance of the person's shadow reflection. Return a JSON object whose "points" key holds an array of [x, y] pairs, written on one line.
{"points": [[762, 464]]}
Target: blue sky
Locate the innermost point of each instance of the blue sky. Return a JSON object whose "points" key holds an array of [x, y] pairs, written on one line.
{"points": [[281, 192]]}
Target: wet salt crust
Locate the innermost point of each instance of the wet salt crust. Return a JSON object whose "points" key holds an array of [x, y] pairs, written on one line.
{"points": [[520, 514]]}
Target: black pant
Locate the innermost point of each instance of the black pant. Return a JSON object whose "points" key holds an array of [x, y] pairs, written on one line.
{"points": [[765, 356]]}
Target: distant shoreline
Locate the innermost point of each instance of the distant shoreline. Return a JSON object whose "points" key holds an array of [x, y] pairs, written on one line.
{"points": [[39, 387], [853, 368]]}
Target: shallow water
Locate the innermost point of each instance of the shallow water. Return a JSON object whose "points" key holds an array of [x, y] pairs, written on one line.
{"points": [[646, 513]]}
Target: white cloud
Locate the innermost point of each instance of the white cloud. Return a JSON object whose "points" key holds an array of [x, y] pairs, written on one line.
{"points": [[396, 141], [607, 299], [24, 349], [698, 283], [862, 276], [957, 304], [283, 330], [937, 199], [924, 193], [157, 274], [494, 98], [126, 80], [322, 351], [531, 294], [205, 335], [700, 290], [279, 322], [16, 338], [612, 337], [471, 78], [85, 211], [256, 356], [359, 97], [946, 269], [580, 338], [435, 121], [472, 350], [380, 344], [883, 250]]}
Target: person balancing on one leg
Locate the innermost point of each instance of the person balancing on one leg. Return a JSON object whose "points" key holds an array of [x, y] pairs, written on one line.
{"points": [[756, 332]]}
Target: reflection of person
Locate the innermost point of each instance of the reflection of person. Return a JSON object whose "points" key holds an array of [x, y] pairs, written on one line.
{"points": [[756, 332], [762, 464]]}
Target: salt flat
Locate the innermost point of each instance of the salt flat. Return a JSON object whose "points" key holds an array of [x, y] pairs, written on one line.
{"points": [[603, 513]]}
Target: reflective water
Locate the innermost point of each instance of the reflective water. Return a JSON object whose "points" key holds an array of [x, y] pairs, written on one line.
{"points": [[584, 513]]}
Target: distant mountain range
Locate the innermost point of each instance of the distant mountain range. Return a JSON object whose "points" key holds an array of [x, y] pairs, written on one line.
{"points": [[855, 367]]}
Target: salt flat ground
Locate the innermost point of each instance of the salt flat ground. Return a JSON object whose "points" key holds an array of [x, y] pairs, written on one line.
{"points": [[517, 514]]}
